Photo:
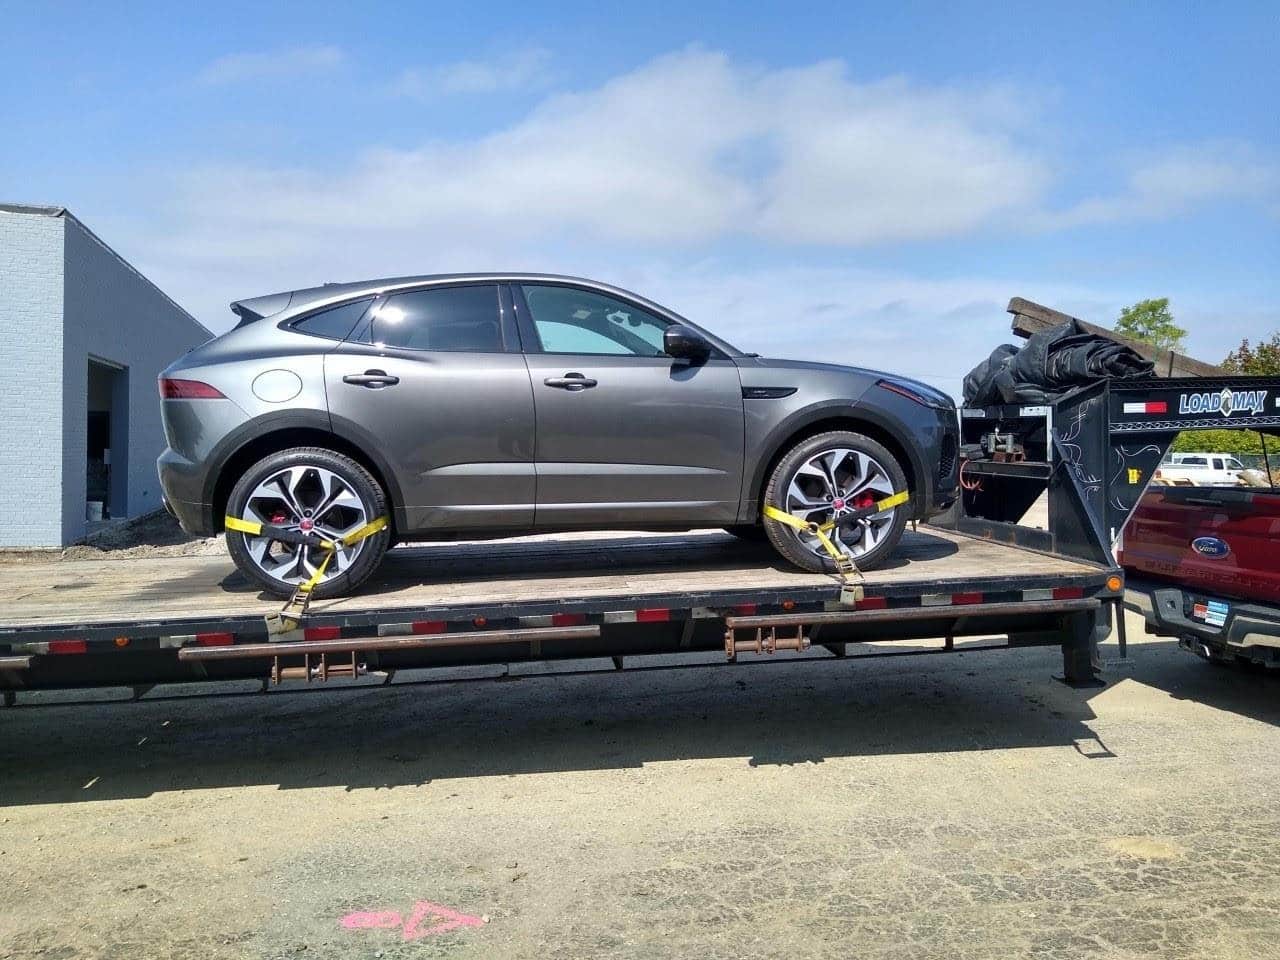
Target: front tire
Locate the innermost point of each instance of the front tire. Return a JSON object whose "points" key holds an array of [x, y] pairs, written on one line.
{"points": [[311, 489], [830, 474]]}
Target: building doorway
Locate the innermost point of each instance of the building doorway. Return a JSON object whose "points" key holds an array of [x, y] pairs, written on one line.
{"points": [[107, 436]]}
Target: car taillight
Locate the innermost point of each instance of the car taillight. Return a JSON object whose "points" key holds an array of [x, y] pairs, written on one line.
{"points": [[188, 390]]}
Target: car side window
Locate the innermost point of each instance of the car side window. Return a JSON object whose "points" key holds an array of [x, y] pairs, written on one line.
{"points": [[1217, 463], [448, 319], [569, 320], [336, 323], [1195, 462]]}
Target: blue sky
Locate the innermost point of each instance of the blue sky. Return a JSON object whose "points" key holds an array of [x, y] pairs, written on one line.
{"points": [[843, 181]]}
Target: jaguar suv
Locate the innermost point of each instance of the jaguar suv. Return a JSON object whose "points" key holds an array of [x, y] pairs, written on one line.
{"points": [[481, 405]]}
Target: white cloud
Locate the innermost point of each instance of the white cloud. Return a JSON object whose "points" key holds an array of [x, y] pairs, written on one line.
{"points": [[686, 149], [517, 70], [237, 67], [888, 161], [637, 180], [1177, 180]]}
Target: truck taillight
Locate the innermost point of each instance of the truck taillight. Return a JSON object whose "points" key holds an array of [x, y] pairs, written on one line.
{"points": [[171, 389]]}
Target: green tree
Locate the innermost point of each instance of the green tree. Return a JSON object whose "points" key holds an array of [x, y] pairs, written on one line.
{"points": [[1151, 322], [1242, 443], [1260, 361]]}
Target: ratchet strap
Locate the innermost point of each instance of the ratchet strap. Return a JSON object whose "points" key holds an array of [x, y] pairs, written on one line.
{"points": [[296, 606], [846, 569]]}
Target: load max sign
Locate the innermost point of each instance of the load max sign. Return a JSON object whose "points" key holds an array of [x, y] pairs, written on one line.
{"points": [[1226, 402]]}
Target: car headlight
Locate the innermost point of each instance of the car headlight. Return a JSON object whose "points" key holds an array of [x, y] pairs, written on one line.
{"points": [[921, 394]]}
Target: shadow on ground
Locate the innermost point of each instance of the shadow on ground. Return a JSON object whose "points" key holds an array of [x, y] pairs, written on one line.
{"points": [[1243, 689], [363, 737]]}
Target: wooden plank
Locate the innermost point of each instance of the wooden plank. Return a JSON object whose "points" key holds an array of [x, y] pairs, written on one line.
{"points": [[488, 572], [1030, 317]]}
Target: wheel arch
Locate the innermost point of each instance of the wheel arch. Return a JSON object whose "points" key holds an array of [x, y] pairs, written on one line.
{"points": [[884, 430], [251, 445]]}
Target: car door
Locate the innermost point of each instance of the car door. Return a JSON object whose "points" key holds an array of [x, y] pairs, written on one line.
{"points": [[625, 433], [433, 380]]}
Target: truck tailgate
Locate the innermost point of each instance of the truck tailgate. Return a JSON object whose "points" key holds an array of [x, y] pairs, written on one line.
{"points": [[1224, 540]]}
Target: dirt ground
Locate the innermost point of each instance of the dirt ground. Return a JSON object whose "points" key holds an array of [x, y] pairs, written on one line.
{"points": [[953, 806], [151, 535]]}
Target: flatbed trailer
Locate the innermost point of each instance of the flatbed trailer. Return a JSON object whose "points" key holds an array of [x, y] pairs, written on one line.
{"points": [[137, 622], [978, 572]]}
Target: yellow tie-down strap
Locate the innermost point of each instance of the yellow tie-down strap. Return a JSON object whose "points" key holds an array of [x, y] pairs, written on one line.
{"points": [[844, 564], [255, 529], [302, 594]]}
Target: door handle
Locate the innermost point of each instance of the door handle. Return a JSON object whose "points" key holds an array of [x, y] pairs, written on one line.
{"points": [[373, 379], [573, 382]]}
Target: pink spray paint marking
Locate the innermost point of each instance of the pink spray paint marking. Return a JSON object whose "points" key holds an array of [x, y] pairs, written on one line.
{"points": [[445, 920], [384, 920]]}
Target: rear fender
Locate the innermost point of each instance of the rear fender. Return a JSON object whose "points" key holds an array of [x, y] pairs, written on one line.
{"points": [[279, 424]]}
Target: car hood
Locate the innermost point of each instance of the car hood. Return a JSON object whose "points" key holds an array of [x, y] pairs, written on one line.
{"points": [[768, 365]]}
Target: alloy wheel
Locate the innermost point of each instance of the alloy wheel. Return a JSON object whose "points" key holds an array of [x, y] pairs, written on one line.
{"points": [[308, 499], [833, 483]]}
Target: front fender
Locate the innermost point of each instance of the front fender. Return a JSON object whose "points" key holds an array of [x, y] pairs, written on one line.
{"points": [[781, 435]]}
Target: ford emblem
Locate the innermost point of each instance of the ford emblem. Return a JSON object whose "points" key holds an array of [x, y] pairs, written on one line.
{"points": [[1210, 547]]}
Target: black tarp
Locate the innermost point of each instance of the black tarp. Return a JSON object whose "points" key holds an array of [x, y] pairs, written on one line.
{"points": [[1049, 364]]}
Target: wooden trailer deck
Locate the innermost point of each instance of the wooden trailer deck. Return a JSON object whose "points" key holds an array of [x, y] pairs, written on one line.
{"points": [[486, 573]]}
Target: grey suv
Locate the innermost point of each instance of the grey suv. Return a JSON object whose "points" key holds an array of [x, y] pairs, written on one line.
{"points": [[500, 404]]}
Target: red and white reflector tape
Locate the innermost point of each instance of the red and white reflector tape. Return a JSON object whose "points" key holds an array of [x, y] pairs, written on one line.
{"points": [[72, 645], [1150, 406]]}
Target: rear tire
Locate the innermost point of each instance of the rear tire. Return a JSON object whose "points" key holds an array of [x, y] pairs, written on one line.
{"points": [[332, 492], [863, 471]]}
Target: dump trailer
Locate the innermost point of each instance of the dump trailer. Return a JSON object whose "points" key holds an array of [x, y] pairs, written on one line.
{"points": [[628, 601]]}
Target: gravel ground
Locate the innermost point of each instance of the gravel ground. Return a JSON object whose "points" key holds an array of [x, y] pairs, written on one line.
{"points": [[951, 807]]}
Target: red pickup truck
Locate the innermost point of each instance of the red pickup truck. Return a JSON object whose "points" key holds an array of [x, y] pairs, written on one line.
{"points": [[1204, 566]]}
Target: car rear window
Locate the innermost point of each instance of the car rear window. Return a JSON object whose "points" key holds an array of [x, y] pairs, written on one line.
{"points": [[336, 323], [448, 319]]}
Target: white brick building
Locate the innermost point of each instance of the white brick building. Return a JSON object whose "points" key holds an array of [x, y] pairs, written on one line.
{"points": [[83, 336]]}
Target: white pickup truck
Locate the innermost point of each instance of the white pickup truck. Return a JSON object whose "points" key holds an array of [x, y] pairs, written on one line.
{"points": [[1200, 470]]}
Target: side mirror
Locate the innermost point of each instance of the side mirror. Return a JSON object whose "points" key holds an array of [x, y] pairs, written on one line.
{"points": [[684, 343]]}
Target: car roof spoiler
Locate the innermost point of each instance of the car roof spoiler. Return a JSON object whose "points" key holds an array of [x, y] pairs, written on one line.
{"points": [[252, 310]]}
